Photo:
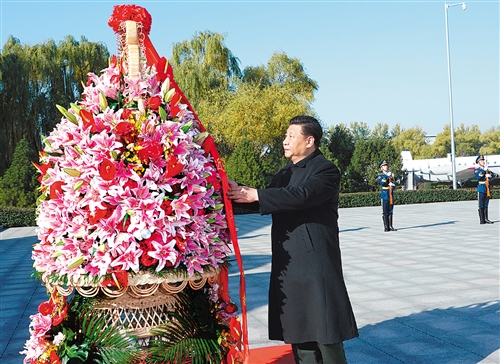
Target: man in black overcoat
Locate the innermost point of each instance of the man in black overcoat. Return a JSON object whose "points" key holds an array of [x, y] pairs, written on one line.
{"points": [[308, 302]]}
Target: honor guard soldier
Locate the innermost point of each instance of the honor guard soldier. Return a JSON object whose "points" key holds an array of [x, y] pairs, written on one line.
{"points": [[387, 181], [483, 176]]}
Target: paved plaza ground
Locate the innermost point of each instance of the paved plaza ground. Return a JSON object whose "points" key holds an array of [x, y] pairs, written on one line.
{"points": [[427, 293]]}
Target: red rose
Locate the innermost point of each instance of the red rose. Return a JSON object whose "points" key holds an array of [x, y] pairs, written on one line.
{"points": [[150, 150], [147, 260], [154, 102], [166, 206], [107, 170], [212, 179], [126, 115], [231, 308], [125, 129], [46, 308]]}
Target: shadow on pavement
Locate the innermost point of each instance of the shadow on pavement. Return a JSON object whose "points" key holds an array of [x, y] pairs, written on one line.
{"points": [[464, 335]]}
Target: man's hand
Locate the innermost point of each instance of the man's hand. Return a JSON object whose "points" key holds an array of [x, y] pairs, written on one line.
{"points": [[232, 184], [242, 194]]}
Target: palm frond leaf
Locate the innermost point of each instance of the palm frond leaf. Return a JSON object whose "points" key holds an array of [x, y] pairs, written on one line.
{"points": [[111, 343], [184, 339]]}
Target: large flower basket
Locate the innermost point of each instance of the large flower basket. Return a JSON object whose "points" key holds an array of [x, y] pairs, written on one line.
{"points": [[134, 226]]}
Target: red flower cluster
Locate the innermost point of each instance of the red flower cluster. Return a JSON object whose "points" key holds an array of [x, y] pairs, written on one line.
{"points": [[122, 13], [56, 306]]}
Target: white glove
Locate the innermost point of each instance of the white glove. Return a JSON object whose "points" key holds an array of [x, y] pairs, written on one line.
{"points": [[488, 175], [392, 184]]}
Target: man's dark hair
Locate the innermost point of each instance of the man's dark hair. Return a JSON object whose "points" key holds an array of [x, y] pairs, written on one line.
{"points": [[310, 127]]}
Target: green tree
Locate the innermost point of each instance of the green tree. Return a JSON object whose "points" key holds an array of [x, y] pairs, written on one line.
{"points": [[203, 64], [360, 130], [244, 165], [33, 79], [467, 140], [283, 71], [341, 144], [490, 141], [442, 144], [412, 139], [363, 170], [18, 187]]}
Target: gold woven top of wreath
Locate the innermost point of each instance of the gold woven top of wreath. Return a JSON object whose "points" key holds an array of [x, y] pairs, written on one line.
{"points": [[140, 284]]}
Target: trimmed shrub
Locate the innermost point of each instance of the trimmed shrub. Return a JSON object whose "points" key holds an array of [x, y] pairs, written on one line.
{"points": [[17, 216]]}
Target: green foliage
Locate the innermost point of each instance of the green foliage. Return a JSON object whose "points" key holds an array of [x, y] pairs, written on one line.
{"points": [[244, 165], [412, 139], [18, 185], [411, 197], [108, 342], [191, 336], [90, 338], [36, 78], [342, 145], [17, 216], [363, 170], [490, 141], [467, 140], [203, 64]]}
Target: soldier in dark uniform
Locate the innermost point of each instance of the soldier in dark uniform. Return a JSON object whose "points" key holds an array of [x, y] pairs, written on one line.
{"points": [[483, 176], [387, 181]]}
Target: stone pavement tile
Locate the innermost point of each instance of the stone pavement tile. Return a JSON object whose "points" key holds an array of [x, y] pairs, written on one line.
{"points": [[433, 283], [358, 351]]}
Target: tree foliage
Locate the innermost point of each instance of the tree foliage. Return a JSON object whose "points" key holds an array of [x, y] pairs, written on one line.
{"points": [[33, 79], [490, 141], [204, 64], [341, 144], [244, 166], [363, 170], [18, 186], [412, 139]]}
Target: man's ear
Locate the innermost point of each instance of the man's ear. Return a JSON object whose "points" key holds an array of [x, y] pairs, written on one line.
{"points": [[310, 141]]}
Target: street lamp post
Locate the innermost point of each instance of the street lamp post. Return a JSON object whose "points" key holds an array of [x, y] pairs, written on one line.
{"points": [[452, 131]]}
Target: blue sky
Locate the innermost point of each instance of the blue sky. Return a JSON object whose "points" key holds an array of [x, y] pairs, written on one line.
{"points": [[374, 61]]}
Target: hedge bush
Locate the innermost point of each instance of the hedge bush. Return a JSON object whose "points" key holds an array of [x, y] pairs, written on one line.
{"points": [[411, 197], [16, 216]]}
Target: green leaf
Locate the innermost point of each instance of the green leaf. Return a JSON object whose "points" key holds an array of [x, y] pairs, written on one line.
{"points": [[75, 108], [187, 126], [163, 113], [71, 117]]}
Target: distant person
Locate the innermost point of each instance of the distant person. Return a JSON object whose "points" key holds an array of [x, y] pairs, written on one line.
{"points": [[387, 182], [483, 176], [308, 302]]}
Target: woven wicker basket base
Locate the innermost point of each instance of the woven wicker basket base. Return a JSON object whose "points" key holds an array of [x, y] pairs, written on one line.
{"points": [[138, 315]]}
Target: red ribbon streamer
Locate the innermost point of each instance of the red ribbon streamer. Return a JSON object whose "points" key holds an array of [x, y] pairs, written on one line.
{"points": [[153, 57]]}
